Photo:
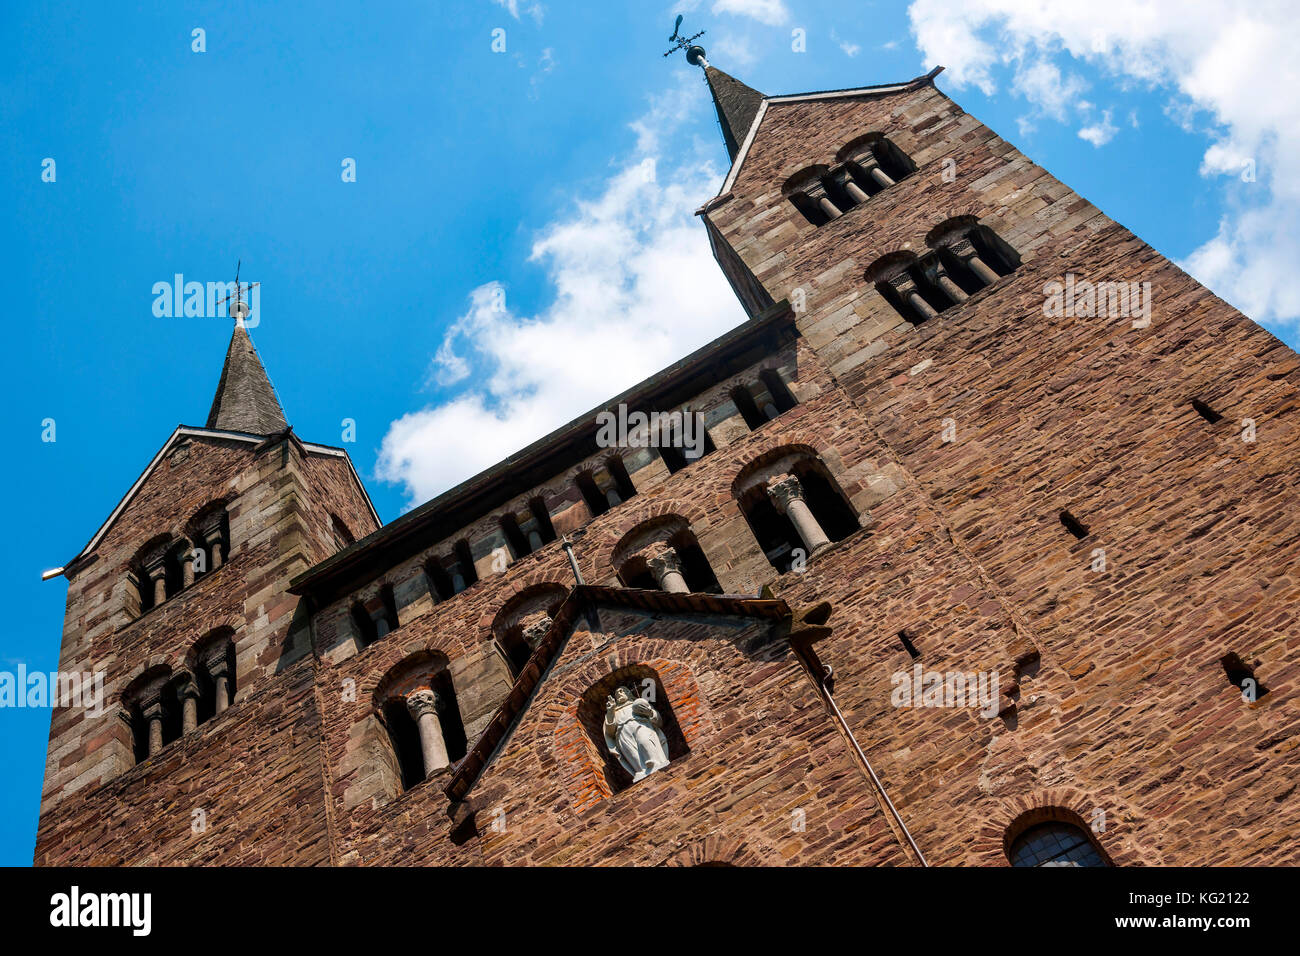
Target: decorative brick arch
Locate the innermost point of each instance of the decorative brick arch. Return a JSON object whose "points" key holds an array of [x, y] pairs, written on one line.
{"points": [[573, 754], [716, 849], [1009, 817], [173, 662], [516, 592], [393, 656], [234, 623], [805, 442]]}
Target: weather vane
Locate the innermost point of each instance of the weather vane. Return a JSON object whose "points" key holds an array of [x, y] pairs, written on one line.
{"points": [[240, 309], [694, 52]]}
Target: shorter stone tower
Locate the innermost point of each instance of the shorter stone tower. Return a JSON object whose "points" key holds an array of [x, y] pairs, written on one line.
{"points": [[207, 743]]}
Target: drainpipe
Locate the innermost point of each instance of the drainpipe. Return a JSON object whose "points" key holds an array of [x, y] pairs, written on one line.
{"points": [[567, 545], [822, 678]]}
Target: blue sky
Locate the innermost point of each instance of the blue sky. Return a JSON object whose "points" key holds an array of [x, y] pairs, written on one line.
{"points": [[558, 176]]}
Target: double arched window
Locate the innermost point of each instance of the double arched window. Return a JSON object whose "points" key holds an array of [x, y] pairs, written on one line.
{"points": [[161, 706], [964, 258], [866, 166], [169, 563]]}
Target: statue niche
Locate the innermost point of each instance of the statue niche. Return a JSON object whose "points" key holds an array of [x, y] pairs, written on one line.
{"points": [[634, 733]]}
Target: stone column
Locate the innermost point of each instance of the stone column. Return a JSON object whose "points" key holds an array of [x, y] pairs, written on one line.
{"points": [[155, 569], [666, 565], [964, 250], [151, 711], [847, 183], [187, 690], [816, 191], [867, 162], [423, 707], [218, 668], [787, 494], [906, 288], [950, 288], [185, 556]]}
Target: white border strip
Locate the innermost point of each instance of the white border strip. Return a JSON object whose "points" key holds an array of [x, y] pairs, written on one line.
{"points": [[211, 433]]}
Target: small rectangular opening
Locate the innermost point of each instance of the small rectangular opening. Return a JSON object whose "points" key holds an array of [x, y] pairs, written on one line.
{"points": [[1074, 525], [909, 645], [1242, 676], [1206, 412]]}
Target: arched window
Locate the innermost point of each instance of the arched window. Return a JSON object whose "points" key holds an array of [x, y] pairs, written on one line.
{"points": [[343, 538], [524, 620], [1055, 844], [542, 520], [682, 439], [622, 481], [782, 399], [516, 542], [159, 570], [664, 555], [964, 258], [744, 402], [416, 703], [794, 506], [209, 532], [214, 673], [374, 618], [594, 498], [153, 710]]}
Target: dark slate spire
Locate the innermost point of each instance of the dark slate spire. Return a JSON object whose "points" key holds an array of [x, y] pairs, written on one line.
{"points": [[245, 400], [737, 105]]}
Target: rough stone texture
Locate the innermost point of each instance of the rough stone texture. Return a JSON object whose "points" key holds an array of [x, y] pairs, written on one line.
{"points": [[1113, 697]]}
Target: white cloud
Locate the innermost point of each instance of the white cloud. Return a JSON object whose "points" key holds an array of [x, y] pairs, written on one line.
{"points": [[849, 48], [534, 10], [733, 50], [635, 289], [771, 12], [1101, 132], [1226, 66]]}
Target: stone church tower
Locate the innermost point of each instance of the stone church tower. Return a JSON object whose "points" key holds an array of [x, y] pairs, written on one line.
{"points": [[975, 544]]}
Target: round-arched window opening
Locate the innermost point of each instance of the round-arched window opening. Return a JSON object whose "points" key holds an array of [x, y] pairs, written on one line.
{"points": [[1055, 844]]}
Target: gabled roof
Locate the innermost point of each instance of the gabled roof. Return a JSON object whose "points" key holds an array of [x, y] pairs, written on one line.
{"points": [[583, 596], [740, 106], [245, 400], [186, 431]]}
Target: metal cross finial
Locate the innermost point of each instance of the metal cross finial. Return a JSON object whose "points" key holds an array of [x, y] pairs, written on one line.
{"points": [[680, 42], [239, 310]]}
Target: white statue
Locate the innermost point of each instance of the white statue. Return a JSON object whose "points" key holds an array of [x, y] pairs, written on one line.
{"points": [[634, 733]]}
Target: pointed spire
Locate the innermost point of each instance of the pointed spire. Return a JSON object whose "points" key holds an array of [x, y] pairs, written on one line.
{"points": [[245, 400], [737, 105]]}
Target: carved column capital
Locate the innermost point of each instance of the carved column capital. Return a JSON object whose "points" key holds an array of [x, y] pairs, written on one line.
{"points": [[534, 628], [186, 686], [421, 702], [784, 489], [661, 559], [217, 663]]}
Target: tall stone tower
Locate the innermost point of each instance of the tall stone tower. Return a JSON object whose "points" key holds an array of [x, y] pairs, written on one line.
{"points": [[209, 738], [975, 544]]}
